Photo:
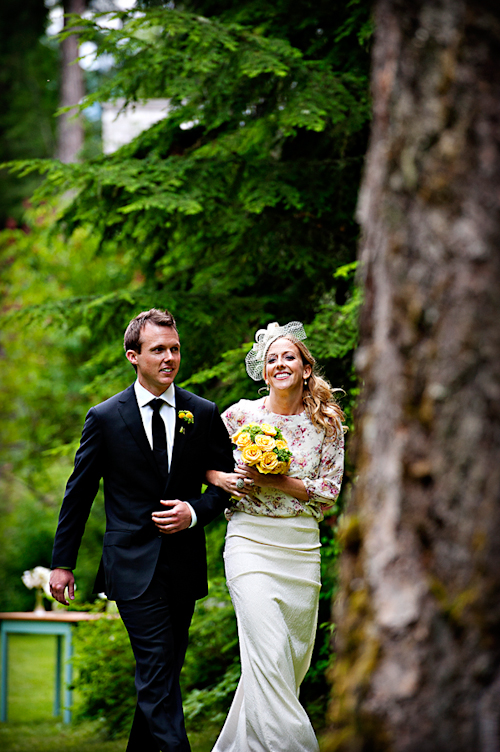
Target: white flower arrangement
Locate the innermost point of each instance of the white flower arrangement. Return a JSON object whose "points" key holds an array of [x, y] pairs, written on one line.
{"points": [[38, 578]]}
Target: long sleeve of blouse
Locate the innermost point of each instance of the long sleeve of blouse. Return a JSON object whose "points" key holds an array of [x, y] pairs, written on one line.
{"points": [[325, 487]]}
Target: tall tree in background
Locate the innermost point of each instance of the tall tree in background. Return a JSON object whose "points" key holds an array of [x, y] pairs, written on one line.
{"points": [[29, 82], [418, 642], [70, 128], [36, 77]]}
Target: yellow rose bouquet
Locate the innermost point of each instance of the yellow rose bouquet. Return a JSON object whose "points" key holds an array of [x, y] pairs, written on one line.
{"points": [[263, 447]]}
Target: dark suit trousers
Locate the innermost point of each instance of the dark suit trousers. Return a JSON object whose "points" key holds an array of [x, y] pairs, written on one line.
{"points": [[157, 623]]}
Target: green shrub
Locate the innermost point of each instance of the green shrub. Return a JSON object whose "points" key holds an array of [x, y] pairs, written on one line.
{"points": [[105, 669], [105, 666], [212, 703], [212, 668], [314, 692]]}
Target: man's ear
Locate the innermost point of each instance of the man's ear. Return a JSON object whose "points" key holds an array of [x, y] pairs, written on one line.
{"points": [[131, 356]]}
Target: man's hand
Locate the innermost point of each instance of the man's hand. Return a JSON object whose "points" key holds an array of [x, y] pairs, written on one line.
{"points": [[60, 579], [177, 516]]}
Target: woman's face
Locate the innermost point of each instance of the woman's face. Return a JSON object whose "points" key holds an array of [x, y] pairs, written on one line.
{"points": [[284, 368]]}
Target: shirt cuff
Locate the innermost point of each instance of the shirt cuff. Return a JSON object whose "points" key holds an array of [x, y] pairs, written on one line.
{"points": [[194, 518]]}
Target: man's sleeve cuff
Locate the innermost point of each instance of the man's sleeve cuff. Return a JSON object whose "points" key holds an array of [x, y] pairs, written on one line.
{"points": [[194, 518]]}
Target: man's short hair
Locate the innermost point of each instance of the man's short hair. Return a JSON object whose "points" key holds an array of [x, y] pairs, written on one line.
{"points": [[132, 338]]}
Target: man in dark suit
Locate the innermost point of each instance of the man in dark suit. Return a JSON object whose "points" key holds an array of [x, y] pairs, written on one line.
{"points": [[152, 445]]}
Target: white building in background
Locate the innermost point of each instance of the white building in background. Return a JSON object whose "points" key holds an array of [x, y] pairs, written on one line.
{"points": [[119, 128]]}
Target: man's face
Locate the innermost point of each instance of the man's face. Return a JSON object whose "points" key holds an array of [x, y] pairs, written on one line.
{"points": [[159, 359]]}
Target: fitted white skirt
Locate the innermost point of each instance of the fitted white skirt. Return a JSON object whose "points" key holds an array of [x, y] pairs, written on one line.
{"points": [[273, 574]]}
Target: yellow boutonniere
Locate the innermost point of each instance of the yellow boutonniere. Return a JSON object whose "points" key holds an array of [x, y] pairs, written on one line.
{"points": [[187, 416]]}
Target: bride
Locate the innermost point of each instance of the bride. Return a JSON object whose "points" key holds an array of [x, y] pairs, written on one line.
{"points": [[272, 551]]}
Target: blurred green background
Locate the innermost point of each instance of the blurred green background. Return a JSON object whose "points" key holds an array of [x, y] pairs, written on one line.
{"points": [[235, 210]]}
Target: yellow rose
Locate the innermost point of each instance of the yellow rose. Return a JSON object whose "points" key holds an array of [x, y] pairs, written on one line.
{"points": [[266, 443], [251, 454], [242, 440], [268, 429], [281, 468], [268, 463], [281, 444]]}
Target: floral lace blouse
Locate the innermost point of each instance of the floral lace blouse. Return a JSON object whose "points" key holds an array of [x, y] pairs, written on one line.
{"points": [[317, 460]]}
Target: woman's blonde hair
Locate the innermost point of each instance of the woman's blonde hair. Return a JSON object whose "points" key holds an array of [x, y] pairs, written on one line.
{"points": [[318, 396]]}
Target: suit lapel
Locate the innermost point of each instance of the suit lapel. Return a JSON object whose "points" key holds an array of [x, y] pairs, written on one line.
{"points": [[182, 399], [131, 415]]}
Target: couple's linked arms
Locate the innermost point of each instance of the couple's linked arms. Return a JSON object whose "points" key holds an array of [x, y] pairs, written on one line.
{"points": [[252, 479], [177, 514]]}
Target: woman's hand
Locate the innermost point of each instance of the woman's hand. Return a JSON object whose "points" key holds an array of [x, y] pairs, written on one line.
{"points": [[284, 483], [252, 478], [229, 482]]}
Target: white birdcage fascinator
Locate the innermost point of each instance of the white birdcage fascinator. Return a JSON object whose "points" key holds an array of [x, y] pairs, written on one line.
{"points": [[255, 359]]}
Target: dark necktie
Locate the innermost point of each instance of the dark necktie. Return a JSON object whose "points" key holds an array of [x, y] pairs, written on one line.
{"points": [[159, 437]]}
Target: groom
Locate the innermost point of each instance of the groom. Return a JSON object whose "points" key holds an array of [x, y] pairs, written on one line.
{"points": [[151, 445]]}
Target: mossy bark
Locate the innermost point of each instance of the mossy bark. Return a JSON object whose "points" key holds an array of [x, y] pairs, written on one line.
{"points": [[418, 638]]}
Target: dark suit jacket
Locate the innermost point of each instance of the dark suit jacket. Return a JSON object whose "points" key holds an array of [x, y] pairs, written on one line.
{"points": [[114, 447]]}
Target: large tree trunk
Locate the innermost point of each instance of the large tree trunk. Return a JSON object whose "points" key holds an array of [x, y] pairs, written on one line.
{"points": [[418, 640], [70, 128]]}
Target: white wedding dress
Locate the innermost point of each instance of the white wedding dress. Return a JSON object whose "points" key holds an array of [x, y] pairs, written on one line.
{"points": [[272, 562], [273, 574]]}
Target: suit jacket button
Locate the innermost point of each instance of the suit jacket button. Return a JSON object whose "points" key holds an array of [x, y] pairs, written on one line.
{"points": [[159, 536]]}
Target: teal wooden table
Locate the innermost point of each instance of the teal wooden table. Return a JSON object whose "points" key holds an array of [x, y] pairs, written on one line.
{"points": [[58, 623]]}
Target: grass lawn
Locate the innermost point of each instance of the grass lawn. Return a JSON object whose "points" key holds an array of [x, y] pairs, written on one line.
{"points": [[31, 726], [54, 736]]}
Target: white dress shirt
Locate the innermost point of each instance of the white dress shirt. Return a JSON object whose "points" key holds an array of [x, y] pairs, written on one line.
{"points": [[167, 413]]}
